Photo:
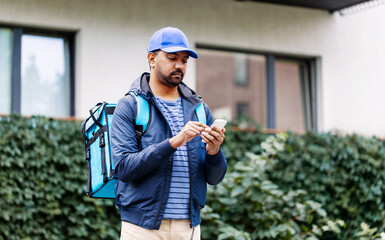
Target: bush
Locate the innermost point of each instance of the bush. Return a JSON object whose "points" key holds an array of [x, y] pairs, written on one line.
{"points": [[368, 233], [275, 188], [247, 137], [346, 174], [43, 184], [248, 205]]}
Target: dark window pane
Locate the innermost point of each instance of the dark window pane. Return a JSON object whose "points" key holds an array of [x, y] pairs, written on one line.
{"points": [[243, 109], [240, 69]]}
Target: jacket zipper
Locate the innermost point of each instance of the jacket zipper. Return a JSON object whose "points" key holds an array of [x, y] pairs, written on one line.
{"points": [[161, 200], [189, 173]]}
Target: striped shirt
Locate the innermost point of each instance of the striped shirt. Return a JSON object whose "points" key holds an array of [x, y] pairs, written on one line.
{"points": [[178, 203]]}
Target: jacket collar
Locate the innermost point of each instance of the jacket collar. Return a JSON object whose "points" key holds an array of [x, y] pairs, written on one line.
{"points": [[141, 87]]}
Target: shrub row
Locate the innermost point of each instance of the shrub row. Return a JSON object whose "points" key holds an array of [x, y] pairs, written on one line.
{"points": [[346, 174], [248, 205], [43, 184], [297, 187]]}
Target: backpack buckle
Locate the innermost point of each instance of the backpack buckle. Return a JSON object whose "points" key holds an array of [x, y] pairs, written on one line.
{"points": [[88, 154], [138, 134], [101, 141]]}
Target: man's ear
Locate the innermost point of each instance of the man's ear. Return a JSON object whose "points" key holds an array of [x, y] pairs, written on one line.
{"points": [[151, 59]]}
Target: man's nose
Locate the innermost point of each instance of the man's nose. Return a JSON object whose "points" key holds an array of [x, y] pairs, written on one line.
{"points": [[179, 65]]}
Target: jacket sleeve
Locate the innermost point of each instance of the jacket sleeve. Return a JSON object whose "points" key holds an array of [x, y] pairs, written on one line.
{"points": [[215, 165], [129, 162]]}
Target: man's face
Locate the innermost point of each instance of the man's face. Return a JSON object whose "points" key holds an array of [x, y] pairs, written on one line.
{"points": [[170, 68]]}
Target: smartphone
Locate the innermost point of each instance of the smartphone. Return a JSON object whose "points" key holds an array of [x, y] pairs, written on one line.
{"points": [[219, 123]]}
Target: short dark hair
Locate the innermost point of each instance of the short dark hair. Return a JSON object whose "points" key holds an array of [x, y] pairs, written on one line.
{"points": [[155, 52]]}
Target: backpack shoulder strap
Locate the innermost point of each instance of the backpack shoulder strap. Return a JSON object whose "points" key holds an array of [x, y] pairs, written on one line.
{"points": [[201, 113], [142, 114]]}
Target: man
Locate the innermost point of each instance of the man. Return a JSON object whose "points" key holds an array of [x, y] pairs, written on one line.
{"points": [[162, 176]]}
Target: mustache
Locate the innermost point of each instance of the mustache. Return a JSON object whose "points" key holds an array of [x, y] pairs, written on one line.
{"points": [[177, 72]]}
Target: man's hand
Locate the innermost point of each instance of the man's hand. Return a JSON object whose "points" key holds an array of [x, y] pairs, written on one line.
{"points": [[188, 132], [214, 138]]}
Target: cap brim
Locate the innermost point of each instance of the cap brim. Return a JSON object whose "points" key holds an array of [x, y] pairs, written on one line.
{"points": [[180, 49]]}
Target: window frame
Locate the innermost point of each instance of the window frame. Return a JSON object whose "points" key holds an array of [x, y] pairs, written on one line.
{"points": [[17, 33], [310, 62]]}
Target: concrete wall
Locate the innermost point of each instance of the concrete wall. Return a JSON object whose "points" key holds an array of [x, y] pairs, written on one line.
{"points": [[112, 37]]}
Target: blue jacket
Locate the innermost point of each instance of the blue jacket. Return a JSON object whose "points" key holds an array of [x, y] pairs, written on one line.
{"points": [[144, 169]]}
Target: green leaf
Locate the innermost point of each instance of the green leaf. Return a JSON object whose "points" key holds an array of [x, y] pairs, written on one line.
{"points": [[237, 191]]}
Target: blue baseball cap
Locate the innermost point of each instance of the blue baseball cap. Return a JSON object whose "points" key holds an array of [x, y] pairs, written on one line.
{"points": [[170, 40]]}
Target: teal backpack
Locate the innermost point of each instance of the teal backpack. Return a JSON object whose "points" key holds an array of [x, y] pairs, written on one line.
{"points": [[96, 130]]}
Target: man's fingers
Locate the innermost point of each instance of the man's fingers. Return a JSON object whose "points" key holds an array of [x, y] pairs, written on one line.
{"points": [[193, 129], [197, 125], [207, 138], [213, 131], [211, 138], [214, 135], [194, 132]]}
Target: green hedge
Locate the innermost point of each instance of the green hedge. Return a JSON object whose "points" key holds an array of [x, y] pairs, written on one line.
{"points": [[303, 189], [248, 205], [43, 183], [346, 174]]}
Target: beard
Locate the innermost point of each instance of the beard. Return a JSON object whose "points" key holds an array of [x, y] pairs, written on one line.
{"points": [[173, 79]]}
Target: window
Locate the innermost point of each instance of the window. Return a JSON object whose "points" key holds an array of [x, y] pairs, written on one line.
{"points": [[5, 70], [38, 72], [242, 109], [291, 96], [240, 69], [276, 91]]}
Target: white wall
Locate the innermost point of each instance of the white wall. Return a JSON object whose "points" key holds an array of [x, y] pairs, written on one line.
{"points": [[112, 38]]}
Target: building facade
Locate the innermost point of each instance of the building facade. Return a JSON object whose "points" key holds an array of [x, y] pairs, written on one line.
{"points": [[285, 67]]}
